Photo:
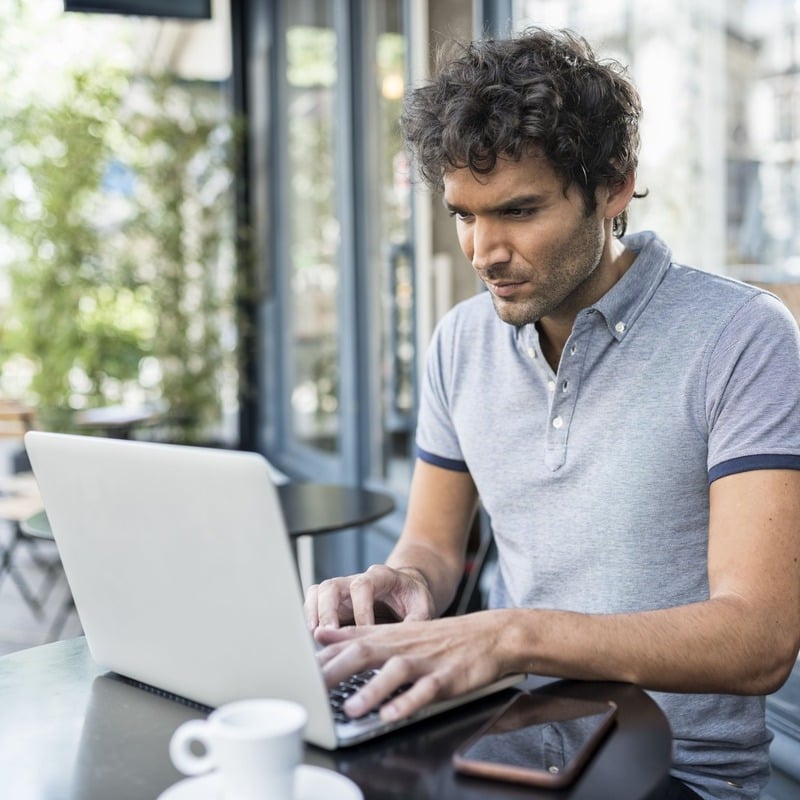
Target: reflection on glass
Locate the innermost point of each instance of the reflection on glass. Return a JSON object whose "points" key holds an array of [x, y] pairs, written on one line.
{"points": [[397, 283], [721, 95], [538, 739], [314, 228]]}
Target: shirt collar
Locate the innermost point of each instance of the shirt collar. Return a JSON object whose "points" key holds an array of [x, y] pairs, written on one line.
{"points": [[622, 304]]}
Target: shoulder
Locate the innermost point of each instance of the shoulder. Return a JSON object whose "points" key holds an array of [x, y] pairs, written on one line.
{"points": [[682, 288], [709, 299], [470, 341], [475, 310], [471, 323]]}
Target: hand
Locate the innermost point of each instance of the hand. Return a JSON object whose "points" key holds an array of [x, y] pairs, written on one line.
{"points": [[380, 594], [439, 659]]}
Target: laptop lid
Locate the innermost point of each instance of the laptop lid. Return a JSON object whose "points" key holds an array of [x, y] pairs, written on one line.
{"points": [[181, 569]]}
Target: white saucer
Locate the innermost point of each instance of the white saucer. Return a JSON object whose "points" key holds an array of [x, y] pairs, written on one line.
{"points": [[311, 783]]}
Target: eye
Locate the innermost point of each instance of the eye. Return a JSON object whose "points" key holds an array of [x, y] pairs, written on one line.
{"points": [[519, 213], [461, 216]]}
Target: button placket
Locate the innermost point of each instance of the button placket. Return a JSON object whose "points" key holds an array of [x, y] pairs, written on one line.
{"points": [[564, 391]]}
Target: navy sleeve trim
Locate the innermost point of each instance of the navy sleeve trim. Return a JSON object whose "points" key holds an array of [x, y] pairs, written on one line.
{"points": [[747, 463], [439, 461]]}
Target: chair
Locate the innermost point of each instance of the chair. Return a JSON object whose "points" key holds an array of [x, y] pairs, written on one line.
{"points": [[783, 720], [481, 554], [20, 501], [15, 419]]}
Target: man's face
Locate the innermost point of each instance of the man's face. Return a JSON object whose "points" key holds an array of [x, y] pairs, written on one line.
{"points": [[535, 247]]}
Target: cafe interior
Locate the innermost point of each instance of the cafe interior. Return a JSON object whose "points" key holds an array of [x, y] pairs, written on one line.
{"points": [[210, 234]]}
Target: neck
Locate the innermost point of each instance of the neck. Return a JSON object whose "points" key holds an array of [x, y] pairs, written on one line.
{"points": [[555, 328]]}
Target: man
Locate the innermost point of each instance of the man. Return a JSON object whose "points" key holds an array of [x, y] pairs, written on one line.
{"points": [[631, 426]]}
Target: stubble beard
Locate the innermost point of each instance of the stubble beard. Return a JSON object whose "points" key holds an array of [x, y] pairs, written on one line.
{"points": [[565, 286]]}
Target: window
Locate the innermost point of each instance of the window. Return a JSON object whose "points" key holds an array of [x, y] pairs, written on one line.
{"points": [[397, 357], [340, 371], [313, 230], [116, 217], [336, 363], [719, 85]]}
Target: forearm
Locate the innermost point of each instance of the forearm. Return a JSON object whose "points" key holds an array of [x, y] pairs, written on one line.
{"points": [[712, 647], [442, 505], [718, 646]]}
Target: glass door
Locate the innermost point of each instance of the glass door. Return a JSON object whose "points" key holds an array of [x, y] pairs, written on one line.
{"points": [[391, 464], [340, 364], [313, 227]]}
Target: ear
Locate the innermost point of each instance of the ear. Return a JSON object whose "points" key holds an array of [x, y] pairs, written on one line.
{"points": [[618, 195]]}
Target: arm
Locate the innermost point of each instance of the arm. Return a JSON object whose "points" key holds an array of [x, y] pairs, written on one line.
{"points": [[743, 639], [442, 504], [422, 572]]}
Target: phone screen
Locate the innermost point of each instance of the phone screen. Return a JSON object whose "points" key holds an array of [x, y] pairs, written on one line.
{"points": [[538, 739]]}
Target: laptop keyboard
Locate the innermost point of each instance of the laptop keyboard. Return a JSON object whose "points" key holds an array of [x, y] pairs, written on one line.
{"points": [[339, 694]]}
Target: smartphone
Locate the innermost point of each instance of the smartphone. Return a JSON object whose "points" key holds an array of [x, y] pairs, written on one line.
{"points": [[538, 740]]}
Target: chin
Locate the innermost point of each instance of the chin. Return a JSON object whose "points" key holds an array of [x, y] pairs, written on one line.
{"points": [[514, 313]]}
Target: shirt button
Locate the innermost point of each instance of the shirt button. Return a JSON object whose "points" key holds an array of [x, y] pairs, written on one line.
{"points": [[620, 327], [532, 353], [551, 385], [558, 423]]}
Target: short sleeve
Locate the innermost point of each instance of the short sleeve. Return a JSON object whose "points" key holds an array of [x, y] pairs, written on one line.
{"points": [[753, 391], [437, 440]]}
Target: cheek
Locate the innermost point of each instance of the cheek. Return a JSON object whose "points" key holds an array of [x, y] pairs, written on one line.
{"points": [[465, 240]]}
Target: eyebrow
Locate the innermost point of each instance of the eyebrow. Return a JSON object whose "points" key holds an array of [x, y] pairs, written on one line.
{"points": [[513, 202]]}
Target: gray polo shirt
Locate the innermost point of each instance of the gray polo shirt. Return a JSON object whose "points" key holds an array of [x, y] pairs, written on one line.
{"points": [[596, 477]]}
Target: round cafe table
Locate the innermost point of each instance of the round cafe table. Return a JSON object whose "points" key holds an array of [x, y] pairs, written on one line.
{"points": [[313, 508], [69, 729]]}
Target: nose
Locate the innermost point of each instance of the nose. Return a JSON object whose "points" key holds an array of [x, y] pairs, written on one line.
{"points": [[487, 245]]}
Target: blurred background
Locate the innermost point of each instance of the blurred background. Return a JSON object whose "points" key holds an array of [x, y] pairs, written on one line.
{"points": [[209, 233]]}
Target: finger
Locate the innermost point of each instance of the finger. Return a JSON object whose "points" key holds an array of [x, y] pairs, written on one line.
{"points": [[385, 589], [333, 602], [406, 596], [327, 653], [369, 696], [362, 598], [330, 636], [310, 609], [340, 661], [421, 614], [403, 686], [427, 689]]}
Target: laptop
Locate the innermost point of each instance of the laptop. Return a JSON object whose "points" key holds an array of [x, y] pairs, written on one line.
{"points": [[183, 575]]}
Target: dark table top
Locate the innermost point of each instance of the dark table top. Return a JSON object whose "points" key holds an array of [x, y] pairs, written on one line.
{"points": [[311, 508], [117, 421], [69, 729]]}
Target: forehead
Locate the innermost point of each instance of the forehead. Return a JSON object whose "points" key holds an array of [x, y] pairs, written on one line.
{"points": [[531, 175]]}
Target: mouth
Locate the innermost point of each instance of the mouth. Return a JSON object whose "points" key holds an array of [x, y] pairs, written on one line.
{"points": [[504, 289]]}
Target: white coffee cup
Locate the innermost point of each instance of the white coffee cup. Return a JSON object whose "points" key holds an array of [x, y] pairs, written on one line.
{"points": [[256, 745]]}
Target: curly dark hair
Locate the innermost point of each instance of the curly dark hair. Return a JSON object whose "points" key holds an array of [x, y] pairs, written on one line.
{"points": [[540, 90]]}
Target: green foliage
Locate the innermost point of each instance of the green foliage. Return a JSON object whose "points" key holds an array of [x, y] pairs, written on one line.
{"points": [[185, 224], [115, 206]]}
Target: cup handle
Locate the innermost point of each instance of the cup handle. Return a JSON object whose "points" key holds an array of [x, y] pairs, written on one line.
{"points": [[188, 762]]}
